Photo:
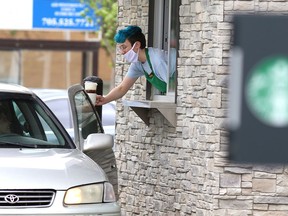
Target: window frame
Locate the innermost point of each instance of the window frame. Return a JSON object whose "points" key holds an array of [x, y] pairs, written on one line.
{"points": [[165, 104], [159, 36]]}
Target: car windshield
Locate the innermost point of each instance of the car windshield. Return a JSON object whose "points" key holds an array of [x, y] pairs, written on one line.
{"points": [[26, 123]]}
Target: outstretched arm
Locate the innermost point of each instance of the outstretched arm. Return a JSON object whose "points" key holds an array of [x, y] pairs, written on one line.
{"points": [[117, 92]]}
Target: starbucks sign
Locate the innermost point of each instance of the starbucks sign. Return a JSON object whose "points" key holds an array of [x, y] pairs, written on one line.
{"points": [[258, 90], [267, 91]]}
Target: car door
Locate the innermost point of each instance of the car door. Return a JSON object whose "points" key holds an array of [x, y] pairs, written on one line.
{"points": [[86, 121]]}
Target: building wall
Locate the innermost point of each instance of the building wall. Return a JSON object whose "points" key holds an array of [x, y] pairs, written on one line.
{"points": [[51, 69], [183, 170]]}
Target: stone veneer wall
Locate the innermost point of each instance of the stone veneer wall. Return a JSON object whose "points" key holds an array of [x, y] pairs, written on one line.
{"points": [[183, 171]]}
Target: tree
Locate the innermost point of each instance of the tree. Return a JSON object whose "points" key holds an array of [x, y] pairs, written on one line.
{"points": [[107, 11]]}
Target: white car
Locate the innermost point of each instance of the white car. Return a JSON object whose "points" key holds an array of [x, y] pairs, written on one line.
{"points": [[43, 172], [57, 100]]}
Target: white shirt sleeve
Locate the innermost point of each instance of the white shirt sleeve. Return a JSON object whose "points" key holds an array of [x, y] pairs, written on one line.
{"points": [[135, 70]]}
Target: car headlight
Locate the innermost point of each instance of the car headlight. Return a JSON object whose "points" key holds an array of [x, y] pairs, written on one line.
{"points": [[95, 193]]}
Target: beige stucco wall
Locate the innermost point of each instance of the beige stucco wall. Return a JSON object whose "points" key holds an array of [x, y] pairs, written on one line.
{"points": [[182, 170]]}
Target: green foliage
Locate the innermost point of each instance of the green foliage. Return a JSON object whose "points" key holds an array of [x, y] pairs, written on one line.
{"points": [[108, 13]]}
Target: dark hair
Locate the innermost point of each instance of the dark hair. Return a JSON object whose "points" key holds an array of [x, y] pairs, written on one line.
{"points": [[3, 111], [132, 34]]}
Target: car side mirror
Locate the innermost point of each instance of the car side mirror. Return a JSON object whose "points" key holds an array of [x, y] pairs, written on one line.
{"points": [[98, 141]]}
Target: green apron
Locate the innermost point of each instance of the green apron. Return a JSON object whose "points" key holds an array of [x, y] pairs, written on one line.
{"points": [[152, 78]]}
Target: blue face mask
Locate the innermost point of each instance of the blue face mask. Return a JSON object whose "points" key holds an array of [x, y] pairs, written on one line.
{"points": [[131, 56]]}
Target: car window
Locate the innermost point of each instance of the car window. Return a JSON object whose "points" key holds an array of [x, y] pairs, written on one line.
{"points": [[58, 101], [61, 109], [86, 117], [24, 122]]}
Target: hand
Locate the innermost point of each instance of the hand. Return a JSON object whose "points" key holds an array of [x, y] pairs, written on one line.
{"points": [[100, 100]]}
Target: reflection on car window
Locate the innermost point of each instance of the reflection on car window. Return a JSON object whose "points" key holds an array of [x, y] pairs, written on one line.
{"points": [[28, 124], [61, 109], [86, 119]]}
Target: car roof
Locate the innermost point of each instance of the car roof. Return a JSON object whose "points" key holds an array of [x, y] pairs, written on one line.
{"points": [[48, 94], [14, 88]]}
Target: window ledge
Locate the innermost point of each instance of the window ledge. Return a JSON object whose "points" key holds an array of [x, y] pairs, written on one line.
{"points": [[141, 108]]}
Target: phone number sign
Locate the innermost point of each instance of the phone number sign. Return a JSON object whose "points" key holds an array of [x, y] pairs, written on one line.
{"points": [[53, 14]]}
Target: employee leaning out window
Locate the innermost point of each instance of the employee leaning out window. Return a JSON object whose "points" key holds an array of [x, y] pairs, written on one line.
{"points": [[149, 62]]}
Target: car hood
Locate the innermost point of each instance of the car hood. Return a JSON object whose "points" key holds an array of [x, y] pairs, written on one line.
{"points": [[47, 168]]}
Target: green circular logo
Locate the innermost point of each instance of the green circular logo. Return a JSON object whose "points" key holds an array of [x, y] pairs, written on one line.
{"points": [[267, 91]]}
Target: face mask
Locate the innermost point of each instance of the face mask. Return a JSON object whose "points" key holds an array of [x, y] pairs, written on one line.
{"points": [[131, 56]]}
